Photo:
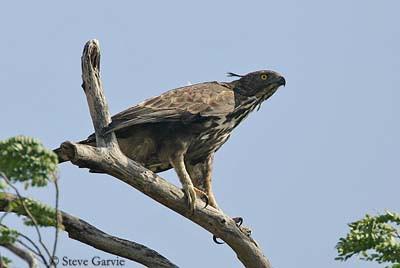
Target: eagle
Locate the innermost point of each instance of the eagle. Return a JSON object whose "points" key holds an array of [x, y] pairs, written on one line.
{"points": [[184, 127]]}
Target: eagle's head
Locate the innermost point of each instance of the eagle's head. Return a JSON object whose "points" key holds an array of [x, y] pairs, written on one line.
{"points": [[259, 84]]}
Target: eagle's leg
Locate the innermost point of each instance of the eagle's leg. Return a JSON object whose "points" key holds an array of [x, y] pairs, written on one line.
{"points": [[178, 162], [207, 182], [201, 177]]}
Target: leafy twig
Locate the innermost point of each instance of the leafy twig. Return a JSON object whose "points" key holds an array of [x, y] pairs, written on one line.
{"points": [[28, 213]]}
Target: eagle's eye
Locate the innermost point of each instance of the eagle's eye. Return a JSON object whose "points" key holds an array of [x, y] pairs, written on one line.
{"points": [[264, 77]]}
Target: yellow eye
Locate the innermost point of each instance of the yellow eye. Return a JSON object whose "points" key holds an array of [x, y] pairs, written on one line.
{"points": [[264, 77]]}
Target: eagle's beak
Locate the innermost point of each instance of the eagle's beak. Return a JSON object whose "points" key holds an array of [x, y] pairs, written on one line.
{"points": [[281, 81]]}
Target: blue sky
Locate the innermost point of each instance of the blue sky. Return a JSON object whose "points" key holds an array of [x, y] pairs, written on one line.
{"points": [[322, 152]]}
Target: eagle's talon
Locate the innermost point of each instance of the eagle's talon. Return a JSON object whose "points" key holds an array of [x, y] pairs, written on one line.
{"points": [[204, 197], [215, 239], [238, 221]]}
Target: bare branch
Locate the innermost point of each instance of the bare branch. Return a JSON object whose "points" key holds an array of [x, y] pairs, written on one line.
{"points": [[32, 250], [53, 254], [82, 231], [36, 249], [109, 159], [23, 254], [3, 216], [93, 88]]}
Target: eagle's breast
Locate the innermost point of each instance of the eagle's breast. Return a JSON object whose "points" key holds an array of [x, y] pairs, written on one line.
{"points": [[218, 132]]}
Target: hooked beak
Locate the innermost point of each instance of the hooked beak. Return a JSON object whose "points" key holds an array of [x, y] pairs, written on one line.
{"points": [[281, 81]]}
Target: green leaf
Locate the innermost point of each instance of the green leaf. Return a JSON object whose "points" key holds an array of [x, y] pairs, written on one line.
{"points": [[373, 238], [7, 235], [3, 185], [5, 262], [26, 160], [43, 214]]}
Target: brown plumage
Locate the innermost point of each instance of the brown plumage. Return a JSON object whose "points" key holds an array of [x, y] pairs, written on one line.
{"points": [[184, 127]]}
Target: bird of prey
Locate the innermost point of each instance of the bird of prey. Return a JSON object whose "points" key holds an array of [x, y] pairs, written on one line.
{"points": [[184, 127]]}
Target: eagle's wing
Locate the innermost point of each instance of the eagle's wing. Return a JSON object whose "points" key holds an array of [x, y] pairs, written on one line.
{"points": [[181, 104]]}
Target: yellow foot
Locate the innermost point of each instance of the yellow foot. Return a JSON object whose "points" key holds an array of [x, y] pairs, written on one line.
{"points": [[190, 194]]}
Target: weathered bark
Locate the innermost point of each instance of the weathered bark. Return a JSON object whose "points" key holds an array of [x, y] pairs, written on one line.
{"points": [[82, 231], [23, 254], [108, 158]]}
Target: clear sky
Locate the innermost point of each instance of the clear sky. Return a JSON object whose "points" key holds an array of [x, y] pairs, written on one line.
{"points": [[322, 152]]}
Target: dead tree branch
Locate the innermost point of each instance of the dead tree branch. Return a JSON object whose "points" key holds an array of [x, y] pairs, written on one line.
{"points": [[84, 232], [108, 158], [23, 254]]}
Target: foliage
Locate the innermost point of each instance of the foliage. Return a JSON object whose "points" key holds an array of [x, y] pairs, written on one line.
{"points": [[25, 159], [5, 262], [44, 215], [373, 238], [8, 235]]}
